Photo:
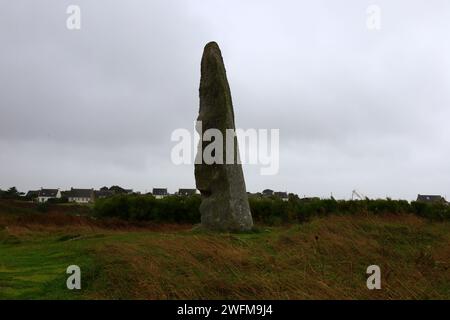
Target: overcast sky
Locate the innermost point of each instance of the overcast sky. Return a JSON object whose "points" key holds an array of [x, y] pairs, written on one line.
{"points": [[356, 108]]}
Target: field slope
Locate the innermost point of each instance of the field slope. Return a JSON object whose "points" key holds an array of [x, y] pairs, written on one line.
{"points": [[322, 259]]}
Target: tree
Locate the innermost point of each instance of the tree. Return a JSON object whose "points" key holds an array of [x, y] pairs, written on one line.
{"points": [[117, 190], [11, 193]]}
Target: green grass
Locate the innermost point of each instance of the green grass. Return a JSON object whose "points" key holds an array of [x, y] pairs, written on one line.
{"points": [[322, 259], [35, 268]]}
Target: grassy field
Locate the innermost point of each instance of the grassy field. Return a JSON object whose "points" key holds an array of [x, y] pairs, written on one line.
{"points": [[325, 258]]}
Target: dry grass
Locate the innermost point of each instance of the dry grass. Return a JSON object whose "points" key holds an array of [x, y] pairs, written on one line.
{"points": [[323, 259]]}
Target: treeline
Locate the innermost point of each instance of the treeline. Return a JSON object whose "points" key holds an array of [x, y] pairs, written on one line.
{"points": [[11, 193], [265, 210], [275, 211]]}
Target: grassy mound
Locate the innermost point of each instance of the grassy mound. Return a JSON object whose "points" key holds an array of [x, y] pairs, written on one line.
{"points": [[325, 258]]}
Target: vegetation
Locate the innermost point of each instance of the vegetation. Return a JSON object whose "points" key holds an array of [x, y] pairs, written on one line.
{"points": [[265, 210], [11, 193], [177, 209], [153, 251], [325, 258]]}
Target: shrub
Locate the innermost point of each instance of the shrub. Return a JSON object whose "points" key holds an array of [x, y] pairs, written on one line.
{"points": [[42, 207], [136, 207], [432, 211], [58, 200]]}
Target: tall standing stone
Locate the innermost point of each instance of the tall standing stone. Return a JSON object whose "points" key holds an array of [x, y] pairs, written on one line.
{"points": [[224, 204]]}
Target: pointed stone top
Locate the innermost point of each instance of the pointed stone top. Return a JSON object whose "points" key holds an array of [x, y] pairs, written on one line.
{"points": [[212, 57], [213, 83], [212, 46]]}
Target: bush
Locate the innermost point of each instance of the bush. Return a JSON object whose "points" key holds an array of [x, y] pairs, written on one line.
{"points": [[57, 200], [432, 211], [42, 207], [269, 210], [136, 207]]}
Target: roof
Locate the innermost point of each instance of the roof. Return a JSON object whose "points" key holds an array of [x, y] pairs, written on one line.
{"points": [[281, 194], [48, 193], [32, 193], [430, 198], [80, 193], [187, 192], [267, 191], [103, 193], [159, 191]]}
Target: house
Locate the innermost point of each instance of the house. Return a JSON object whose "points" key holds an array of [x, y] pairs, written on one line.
{"points": [[80, 195], [160, 193], [187, 192], [282, 195], [267, 192], [254, 195], [45, 194], [430, 198], [32, 194], [103, 193]]}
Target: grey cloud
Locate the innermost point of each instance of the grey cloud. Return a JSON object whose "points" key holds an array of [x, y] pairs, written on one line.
{"points": [[355, 109]]}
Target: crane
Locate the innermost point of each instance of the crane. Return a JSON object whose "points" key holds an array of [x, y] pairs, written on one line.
{"points": [[359, 195]]}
